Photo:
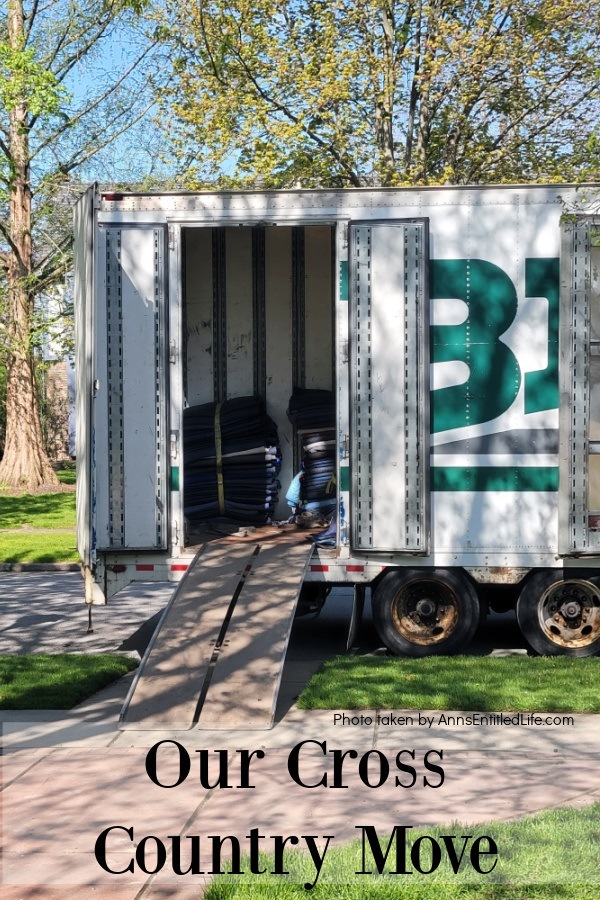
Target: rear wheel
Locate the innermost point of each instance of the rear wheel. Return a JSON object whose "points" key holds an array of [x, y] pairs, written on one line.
{"points": [[560, 616], [421, 613]]}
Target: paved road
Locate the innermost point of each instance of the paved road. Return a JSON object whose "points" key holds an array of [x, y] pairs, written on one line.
{"points": [[45, 612]]}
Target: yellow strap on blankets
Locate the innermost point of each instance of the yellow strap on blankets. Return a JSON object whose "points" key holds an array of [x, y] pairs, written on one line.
{"points": [[219, 452]]}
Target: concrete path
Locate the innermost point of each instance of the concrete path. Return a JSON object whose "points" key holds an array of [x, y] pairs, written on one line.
{"points": [[66, 777]]}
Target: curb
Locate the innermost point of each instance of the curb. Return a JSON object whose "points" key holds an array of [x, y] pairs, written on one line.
{"points": [[40, 567]]}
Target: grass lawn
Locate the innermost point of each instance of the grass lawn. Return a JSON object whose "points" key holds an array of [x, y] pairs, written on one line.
{"points": [[38, 528], [38, 547], [552, 854], [59, 681], [37, 510], [66, 476], [499, 684]]}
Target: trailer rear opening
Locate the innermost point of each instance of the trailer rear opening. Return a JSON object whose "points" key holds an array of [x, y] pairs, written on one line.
{"points": [[457, 332], [259, 320]]}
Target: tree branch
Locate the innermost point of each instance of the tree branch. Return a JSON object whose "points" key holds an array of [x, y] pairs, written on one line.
{"points": [[4, 231], [4, 148], [50, 279], [93, 145], [53, 254], [535, 107], [309, 132], [95, 30], [30, 19], [94, 104], [276, 105], [541, 128]]}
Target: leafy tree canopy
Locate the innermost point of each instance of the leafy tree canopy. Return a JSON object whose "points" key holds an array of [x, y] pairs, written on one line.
{"points": [[337, 92]]}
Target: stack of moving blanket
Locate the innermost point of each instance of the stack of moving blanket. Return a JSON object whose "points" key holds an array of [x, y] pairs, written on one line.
{"points": [[312, 408], [318, 481], [313, 411], [232, 460]]}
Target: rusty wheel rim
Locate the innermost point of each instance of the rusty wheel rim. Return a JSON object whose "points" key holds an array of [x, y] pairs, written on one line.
{"points": [[569, 613], [425, 612]]}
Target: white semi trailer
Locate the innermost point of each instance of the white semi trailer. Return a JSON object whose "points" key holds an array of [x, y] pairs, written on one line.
{"points": [[459, 330]]}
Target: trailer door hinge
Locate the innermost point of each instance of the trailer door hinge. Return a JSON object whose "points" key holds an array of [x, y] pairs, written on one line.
{"points": [[173, 352], [174, 439], [175, 535], [171, 237], [345, 227]]}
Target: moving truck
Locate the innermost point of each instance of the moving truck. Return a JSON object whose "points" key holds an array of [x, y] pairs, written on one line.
{"points": [[458, 329]]}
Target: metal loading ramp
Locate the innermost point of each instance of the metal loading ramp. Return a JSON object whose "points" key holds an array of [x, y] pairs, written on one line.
{"points": [[217, 656]]}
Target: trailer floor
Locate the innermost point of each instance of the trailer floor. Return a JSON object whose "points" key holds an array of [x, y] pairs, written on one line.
{"points": [[217, 655]]}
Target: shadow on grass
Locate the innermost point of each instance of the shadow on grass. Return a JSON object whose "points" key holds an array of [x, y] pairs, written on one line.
{"points": [[482, 684], [61, 681], [37, 510], [41, 547], [27, 557]]}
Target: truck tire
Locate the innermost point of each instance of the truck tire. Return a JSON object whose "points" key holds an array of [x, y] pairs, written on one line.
{"points": [[560, 616], [424, 612]]}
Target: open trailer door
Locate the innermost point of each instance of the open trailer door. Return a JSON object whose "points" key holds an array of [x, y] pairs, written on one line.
{"points": [[130, 390], [579, 495], [389, 321], [83, 282]]}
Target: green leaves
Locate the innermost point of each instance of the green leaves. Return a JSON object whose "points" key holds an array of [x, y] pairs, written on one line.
{"points": [[341, 93], [25, 82]]}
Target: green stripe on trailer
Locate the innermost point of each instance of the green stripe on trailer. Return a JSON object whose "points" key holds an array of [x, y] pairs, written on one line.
{"points": [[494, 478], [344, 478], [344, 280]]}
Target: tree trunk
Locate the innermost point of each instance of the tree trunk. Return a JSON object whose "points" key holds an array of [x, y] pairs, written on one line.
{"points": [[385, 102], [414, 94], [25, 463]]}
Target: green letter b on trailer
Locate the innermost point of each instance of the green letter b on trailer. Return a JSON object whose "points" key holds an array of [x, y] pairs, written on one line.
{"points": [[494, 373]]}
